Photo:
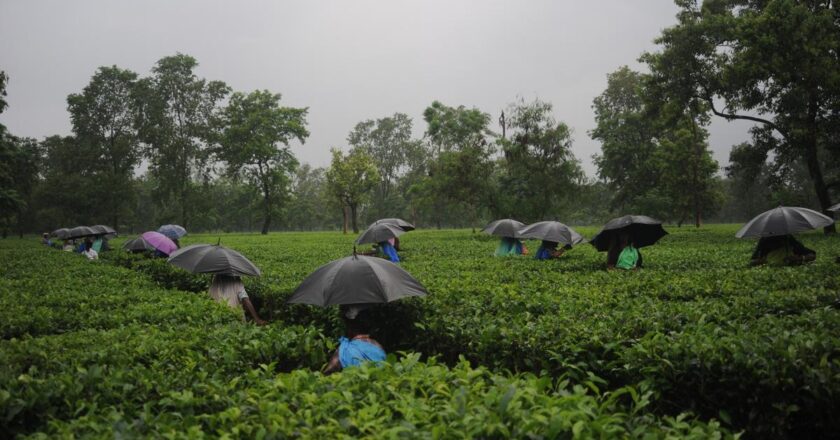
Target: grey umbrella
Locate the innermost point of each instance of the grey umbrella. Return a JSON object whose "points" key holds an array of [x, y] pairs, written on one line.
{"points": [[835, 208], [357, 279], [552, 231], [209, 258], [104, 230], [61, 233], [402, 224], [784, 220], [379, 233], [173, 232], [81, 231], [139, 244], [505, 227], [642, 230]]}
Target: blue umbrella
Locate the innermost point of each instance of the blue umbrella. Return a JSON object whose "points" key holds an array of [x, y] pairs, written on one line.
{"points": [[173, 232]]}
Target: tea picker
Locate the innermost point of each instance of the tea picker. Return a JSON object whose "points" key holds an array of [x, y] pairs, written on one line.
{"points": [[776, 245], [622, 237], [508, 229]]}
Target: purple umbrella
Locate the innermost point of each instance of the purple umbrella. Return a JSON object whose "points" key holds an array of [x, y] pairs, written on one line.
{"points": [[159, 242]]}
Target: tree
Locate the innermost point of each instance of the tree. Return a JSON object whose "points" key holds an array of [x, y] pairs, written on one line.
{"points": [[541, 168], [388, 141], [773, 63], [627, 137], [461, 164], [255, 143], [308, 207], [105, 117], [179, 112], [350, 179]]}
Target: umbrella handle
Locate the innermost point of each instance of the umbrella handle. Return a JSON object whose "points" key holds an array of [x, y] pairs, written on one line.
{"points": [[354, 251]]}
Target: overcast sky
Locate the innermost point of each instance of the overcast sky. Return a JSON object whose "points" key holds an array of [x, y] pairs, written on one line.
{"points": [[346, 60]]}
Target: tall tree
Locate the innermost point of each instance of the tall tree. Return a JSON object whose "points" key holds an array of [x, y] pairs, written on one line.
{"points": [[308, 208], [541, 168], [351, 178], [255, 144], [105, 117], [771, 62], [179, 114], [627, 136], [461, 161], [389, 142]]}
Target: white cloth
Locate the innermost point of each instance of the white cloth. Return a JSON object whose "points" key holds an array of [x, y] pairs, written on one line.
{"points": [[91, 254], [228, 290]]}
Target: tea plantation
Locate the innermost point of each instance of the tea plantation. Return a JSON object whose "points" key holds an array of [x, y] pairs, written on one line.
{"points": [[696, 344]]}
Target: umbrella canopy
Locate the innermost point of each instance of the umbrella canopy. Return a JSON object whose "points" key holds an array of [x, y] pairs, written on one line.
{"points": [[505, 227], [379, 233], [551, 231], [398, 222], [174, 232], [835, 208], [784, 220], [642, 230], [61, 233], [103, 230], [159, 242], [81, 231], [208, 258], [138, 245], [356, 280]]}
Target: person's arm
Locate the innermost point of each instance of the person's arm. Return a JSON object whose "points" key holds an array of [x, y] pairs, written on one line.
{"points": [[334, 365], [249, 307]]}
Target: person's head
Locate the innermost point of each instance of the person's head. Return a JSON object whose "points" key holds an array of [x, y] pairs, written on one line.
{"points": [[88, 244], [45, 235], [624, 239], [356, 320]]}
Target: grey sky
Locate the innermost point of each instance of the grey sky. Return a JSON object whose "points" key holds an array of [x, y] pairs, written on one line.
{"points": [[345, 60]]}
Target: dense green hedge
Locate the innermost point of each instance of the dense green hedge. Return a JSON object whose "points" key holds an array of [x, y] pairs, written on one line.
{"points": [[91, 349], [689, 307]]}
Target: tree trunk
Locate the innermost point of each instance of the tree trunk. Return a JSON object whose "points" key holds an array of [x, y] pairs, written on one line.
{"points": [[266, 206], [353, 212], [813, 163], [344, 218]]}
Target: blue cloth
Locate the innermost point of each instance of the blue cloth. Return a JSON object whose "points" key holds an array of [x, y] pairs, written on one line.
{"points": [[81, 248], [353, 352], [545, 250], [389, 252]]}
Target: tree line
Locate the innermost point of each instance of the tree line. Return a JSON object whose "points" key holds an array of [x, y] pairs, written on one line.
{"points": [[172, 147]]}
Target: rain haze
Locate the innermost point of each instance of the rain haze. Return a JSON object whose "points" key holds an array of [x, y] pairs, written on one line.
{"points": [[346, 61]]}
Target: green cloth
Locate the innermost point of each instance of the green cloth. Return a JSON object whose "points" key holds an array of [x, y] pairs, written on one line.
{"points": [[777, 256], [97, 245], [628, 258]]}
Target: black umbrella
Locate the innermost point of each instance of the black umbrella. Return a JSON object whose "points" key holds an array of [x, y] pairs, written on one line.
{"points": [[641, 230], [551, 231], [208, 258], [402, 224], [81, 231], [505, 227], [61, 233], [784, 220], [104, 230], [139, 244], [379, 233], [356, 280]]}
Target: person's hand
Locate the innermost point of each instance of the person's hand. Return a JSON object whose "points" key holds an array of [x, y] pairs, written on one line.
{"points": [[260, 322]]}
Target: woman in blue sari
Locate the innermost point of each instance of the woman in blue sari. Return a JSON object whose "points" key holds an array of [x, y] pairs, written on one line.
{"points": [[358, 347]]}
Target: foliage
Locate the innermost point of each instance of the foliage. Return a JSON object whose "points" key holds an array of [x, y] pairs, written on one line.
{"points": [[350, 179], [255, 142]]}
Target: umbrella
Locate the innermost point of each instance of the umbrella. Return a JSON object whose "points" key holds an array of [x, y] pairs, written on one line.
{"points": [[379, 233], [80, 231], [398, 222], [504, 228], [551, 231], [643, 231], [784, 220], [174, 232], [103, 230], [835, 208], [60, 233], [208, 258], [159, 242], [356, 280], [138, 245]]}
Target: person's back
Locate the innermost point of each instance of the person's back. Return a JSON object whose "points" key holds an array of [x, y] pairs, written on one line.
{"points": [[357, 347], [230, 290], [781, 250], [389, 252]]}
